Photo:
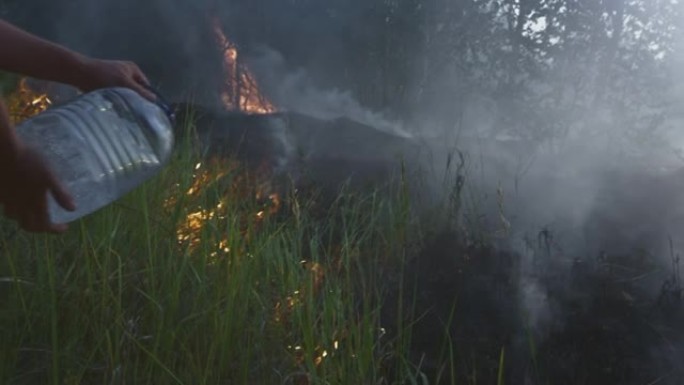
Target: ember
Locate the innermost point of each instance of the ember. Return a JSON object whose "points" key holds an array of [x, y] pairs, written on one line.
{"points": [[241, 188], [26, 102]]}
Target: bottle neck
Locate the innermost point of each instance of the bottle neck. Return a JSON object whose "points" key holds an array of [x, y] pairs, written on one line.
{"points": [[162, 103]]}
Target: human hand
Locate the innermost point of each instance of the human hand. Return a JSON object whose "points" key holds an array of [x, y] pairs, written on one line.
{"points": [[24, 186], [114, 73]]}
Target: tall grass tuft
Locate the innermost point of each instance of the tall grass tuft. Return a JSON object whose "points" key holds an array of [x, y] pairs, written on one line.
{"points": [[204, 276]]}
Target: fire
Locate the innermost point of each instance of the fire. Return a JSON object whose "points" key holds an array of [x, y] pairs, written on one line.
{"points": [[26, 102], [240, 90], [243, 187]]}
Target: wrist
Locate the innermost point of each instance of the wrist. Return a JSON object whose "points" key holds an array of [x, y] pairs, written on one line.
{"points": [[78, 69]]}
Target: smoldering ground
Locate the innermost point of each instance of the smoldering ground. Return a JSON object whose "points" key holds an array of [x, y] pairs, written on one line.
{"points": [[565, 248]]}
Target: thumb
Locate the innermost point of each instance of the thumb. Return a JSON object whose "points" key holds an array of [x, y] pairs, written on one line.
{"points": [[142, 86]]}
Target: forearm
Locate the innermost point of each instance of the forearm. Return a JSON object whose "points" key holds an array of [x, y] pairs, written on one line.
{"points": [[9, 143], [30, 55]]}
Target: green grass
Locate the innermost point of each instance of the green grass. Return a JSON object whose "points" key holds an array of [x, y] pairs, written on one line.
{"points": [[290, 296]]}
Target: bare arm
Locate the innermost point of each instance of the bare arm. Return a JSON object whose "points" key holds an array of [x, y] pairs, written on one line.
{"points": [[33, 56], [30, 55], [8, 139], [25, 179]]}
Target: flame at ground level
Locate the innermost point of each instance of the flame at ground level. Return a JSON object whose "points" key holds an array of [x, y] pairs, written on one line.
{"points": [[241, 187]]}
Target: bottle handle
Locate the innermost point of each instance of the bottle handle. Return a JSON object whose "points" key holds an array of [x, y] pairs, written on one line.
{"points": [[162, 102]]}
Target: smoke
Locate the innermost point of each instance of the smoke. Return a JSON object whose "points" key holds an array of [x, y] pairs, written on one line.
{"points": [[573, 206], [589, 208], [174, 44], [295, 90]]}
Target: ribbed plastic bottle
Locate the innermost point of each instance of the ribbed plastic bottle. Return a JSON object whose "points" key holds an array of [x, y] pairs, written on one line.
{"points": [[101, 145]]}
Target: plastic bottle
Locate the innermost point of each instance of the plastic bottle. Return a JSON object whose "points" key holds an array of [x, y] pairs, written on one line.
{"points": [[101, 145]]}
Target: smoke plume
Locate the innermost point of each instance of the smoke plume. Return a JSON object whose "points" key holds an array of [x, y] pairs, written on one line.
{"points": [[592, 210]]}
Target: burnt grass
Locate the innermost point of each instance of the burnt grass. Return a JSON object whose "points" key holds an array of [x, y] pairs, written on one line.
{"points": [[469, 306], [464, 300], [604, 328]]}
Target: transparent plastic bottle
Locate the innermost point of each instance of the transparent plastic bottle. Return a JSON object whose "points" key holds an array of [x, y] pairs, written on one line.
{"points": [[101, 145]]}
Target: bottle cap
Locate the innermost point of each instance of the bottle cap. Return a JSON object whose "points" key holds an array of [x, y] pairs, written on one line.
{"points": [[162, 102]]}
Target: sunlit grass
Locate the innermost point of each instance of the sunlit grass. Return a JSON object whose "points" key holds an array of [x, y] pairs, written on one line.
{"points": [[201, 276]]}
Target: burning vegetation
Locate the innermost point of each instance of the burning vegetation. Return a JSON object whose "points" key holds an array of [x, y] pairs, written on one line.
{"points": [[26, 101], [235, 186], [198, 235], [239, 90]]}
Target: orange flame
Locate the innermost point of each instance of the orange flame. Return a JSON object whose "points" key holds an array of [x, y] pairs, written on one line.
{"points": [[26, 102], [240, 90], [190, 231]]}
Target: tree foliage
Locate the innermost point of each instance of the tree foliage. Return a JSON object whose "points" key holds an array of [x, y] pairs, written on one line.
{"points": [[539, 69]]}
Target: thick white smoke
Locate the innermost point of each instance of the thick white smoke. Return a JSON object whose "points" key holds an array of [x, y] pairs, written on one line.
{"points": [[294, 90]]}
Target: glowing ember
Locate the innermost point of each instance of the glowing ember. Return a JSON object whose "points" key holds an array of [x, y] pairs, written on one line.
{"points": [[194, 222], [240, 90], [242, 187], [283, 309], [25, 102]]}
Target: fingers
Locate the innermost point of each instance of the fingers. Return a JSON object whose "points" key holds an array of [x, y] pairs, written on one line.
{"points": [[62, 197], [37, 220], [25, 193], [58, 228], [41, 215], [144, 92], [119, 73], [34, 221], [138, 81], [137, 74], [60, 194]]}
